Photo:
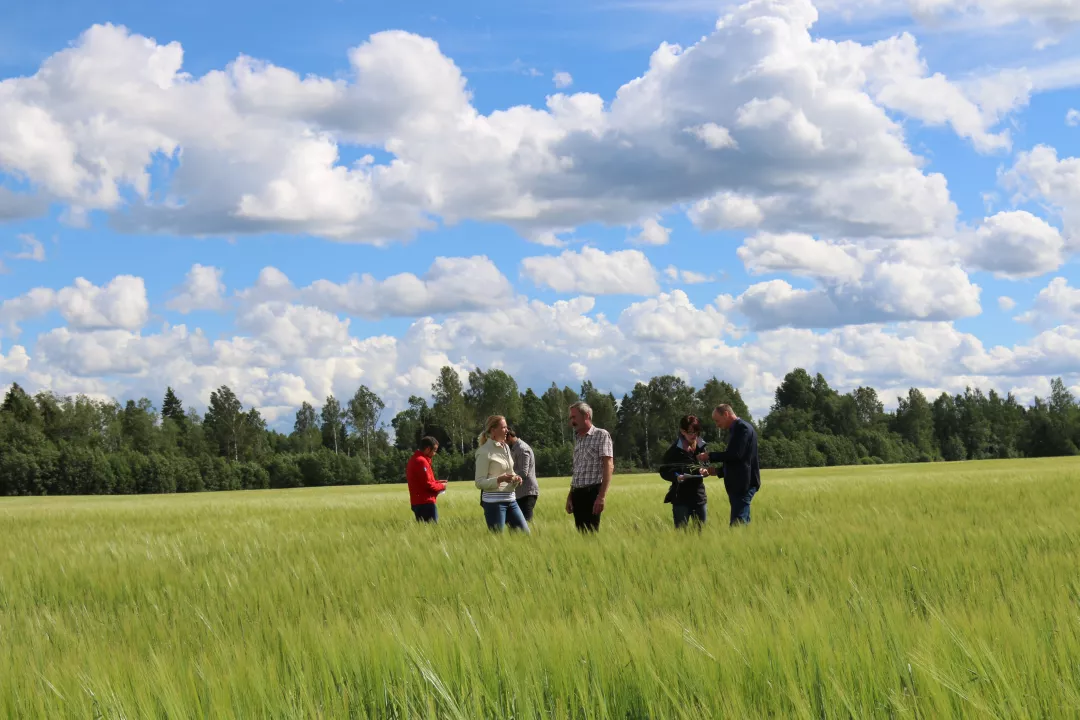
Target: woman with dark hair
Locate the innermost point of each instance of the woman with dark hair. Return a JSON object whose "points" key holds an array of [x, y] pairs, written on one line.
{"points": [[681, 468]]}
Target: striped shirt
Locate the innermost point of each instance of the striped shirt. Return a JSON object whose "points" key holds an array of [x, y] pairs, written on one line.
{"points": [[589, 451], [492, 460]]}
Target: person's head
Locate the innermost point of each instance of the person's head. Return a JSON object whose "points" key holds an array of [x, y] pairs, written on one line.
{"points": [[494, 429], [690, 429], [511, 437], [724, 416], [581, 416], [428, 447]]}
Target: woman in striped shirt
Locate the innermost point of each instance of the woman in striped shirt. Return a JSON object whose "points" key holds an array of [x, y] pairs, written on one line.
{"points": [[496, 478]]}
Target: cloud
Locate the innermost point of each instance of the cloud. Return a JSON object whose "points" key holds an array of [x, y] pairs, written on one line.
{"points": [[449, 285], [855, 284], [714, 136], [1057, 302], [1039, 175], [33, 249], [593, 272], [802, 255], [15, 361], [20, 206], [1054, 16], [121, 303], [281, 352], [563, 80], [1006, 303], [672, 318], [202, 290], [758, 110], [687, 277], [652, 233], [1072, 118], [1016, 245]]}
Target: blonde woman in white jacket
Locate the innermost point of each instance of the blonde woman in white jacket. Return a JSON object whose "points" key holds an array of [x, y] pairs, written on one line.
{"points": [[496, 478]]}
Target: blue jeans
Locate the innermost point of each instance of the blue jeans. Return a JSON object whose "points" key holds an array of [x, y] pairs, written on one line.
{"points": [[426, 513], [683, 513], [740, 506], [501, 514]]}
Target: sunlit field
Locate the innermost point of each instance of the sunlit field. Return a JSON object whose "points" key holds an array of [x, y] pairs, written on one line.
{"points": [[924, 591]]}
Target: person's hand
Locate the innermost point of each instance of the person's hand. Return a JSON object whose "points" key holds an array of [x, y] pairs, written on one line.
{"points": [[679, 477], [569, 504], [506, 477], [517, 480], [703, 457], [598, 506]]}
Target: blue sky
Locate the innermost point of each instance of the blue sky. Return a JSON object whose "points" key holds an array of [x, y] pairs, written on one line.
{"points": [[534, 189]]}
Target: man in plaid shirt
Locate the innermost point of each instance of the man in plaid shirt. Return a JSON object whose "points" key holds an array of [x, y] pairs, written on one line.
{"points": [[594, 463]]}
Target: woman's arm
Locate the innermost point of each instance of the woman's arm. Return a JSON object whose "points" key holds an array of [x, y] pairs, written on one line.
{"points": [[483, 465], [672, 465]]}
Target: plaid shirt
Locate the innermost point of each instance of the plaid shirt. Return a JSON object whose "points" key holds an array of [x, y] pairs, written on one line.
{"points": [[589, 451]]}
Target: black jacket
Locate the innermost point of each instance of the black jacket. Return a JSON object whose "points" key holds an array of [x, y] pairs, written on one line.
{"points": [[740, 459], [678, 461]]}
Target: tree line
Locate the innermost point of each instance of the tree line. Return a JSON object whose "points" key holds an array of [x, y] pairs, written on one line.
{"points": [[51, 444]]}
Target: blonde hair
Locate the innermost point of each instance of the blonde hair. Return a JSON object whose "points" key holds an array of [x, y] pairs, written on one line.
{"points": [[492, 421]]}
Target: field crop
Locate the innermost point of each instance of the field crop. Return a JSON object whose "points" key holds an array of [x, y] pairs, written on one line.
{"points": [[923, 591]]}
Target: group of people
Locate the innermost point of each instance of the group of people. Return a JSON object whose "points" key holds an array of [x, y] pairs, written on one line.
{"points": [[506, 472]]}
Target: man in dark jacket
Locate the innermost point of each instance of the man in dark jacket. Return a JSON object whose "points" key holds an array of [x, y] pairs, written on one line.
{"points": [[742, 476]]}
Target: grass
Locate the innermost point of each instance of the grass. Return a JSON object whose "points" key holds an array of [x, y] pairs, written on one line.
{"points": [[924, 591]]}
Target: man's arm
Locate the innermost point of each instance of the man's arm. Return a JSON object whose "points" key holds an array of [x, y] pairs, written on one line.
{"points": [[436, 485], [737, 449], [607, 459]]}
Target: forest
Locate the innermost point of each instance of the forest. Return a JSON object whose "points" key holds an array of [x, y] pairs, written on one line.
{"points": [[53, 445]]}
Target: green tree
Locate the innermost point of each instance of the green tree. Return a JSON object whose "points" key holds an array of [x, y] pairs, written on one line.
{"points": [[333, 424], [718, 392], [605, 414], [173, 409], [363, 414], [137, 425], [223, 422], [914, 421], [536, 425], [558, 404], [493, 392], [411, 424], [307, 434], [449, 409]]}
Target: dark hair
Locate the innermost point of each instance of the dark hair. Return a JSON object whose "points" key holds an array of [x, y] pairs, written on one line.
{"points": [[428, 442], [510, 433], [690, 424]]}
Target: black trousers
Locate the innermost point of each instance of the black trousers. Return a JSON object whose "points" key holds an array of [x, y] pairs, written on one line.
{"points": [[583, 500], [527, 504]]}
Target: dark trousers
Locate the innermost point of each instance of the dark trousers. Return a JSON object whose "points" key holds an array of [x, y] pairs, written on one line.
{"points": [[583, 500], [683, 513], [427, 512], [740, 505], [527, 505]]}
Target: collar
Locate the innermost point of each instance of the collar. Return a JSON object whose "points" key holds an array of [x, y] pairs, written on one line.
{"points": [[682, 442]]}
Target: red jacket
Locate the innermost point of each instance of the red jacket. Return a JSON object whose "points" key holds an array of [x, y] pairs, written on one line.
{"points": [[424, 489]]}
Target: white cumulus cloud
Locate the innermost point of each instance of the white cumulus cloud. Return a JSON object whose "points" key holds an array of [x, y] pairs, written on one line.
{"points": [[202, 290], [594, 272]]}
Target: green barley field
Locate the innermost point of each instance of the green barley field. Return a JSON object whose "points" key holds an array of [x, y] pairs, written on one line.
{"points": [[925, 591]]}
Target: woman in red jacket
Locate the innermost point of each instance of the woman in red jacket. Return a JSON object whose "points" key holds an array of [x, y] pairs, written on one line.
{"points": [[424, 489]]}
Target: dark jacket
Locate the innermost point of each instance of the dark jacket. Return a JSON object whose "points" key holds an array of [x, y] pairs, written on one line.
{"points": [[679, 461], [740, 459]]}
